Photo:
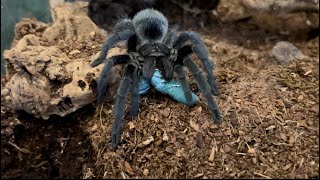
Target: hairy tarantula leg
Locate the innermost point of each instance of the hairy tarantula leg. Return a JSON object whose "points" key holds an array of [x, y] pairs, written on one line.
{"points": [[202, 53], [170, 38], [112, 40], [204, 87], [119, 107], [148, 67], [167, 68], [102, 83], [184, 84], [184, 52], [135, 94], [123, 25]]}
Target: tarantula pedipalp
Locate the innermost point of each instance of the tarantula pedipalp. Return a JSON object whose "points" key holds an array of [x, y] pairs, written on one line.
{"points": [[151, 45]]}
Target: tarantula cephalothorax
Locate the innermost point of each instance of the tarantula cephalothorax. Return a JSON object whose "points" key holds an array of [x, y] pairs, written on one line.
{"points": [[151, 45]]}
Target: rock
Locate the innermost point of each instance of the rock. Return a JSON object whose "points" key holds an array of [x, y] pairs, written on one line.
{"points": [[285, 6], [42, 80], [230, 11], [284, 52], [70, 23], [286, 17], [28, 26]]}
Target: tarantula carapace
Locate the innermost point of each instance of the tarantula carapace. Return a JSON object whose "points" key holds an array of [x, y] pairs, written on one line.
{"points": [[151, 45]]}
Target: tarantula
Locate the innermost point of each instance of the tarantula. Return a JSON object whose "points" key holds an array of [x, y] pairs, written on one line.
{"points": [[151, 45]]}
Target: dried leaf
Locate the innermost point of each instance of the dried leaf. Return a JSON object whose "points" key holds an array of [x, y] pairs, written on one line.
{"points": [[199, 110], [254, 160], [25, 150], [195, 126], [200, 141], [308, 72], [146, 172], [179, 152], [211, 157], [280, 102], [165, 112], [300, 97], [131, 125], [291, 139], [283, 88], [283, 136], [198, 175], [170, 150], [160, 141], [128, 168], [271, 127], [233, 174], [287, 167], [165, 136], [252, 151], [95, 127], [148, 141]]}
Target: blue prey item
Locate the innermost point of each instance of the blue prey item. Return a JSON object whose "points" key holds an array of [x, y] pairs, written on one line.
{"points": [[144, 86], [171, 88]]}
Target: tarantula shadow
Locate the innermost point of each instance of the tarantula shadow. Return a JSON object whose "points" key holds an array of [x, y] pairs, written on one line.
{"points": [[151, 45]]}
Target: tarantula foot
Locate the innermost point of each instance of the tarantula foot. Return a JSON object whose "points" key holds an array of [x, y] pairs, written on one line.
{"points": [[115, 140], [100, 98], [215, 91], [134, 111], [217, 116], [96, 62]]}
